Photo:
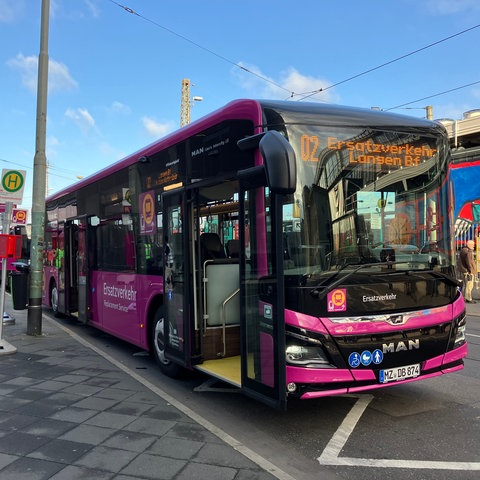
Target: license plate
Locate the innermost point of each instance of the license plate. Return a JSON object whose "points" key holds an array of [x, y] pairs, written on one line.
{"points": [[399, 373]]}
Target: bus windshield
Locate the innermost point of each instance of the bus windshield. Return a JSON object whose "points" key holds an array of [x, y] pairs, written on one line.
{"points": [[366, 196]]}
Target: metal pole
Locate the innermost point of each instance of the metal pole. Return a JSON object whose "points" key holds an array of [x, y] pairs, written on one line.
{"points": [[34, 318], [429, 110]]}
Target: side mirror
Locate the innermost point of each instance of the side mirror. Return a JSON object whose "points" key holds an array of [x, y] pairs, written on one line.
{"points": [[279, 157]]}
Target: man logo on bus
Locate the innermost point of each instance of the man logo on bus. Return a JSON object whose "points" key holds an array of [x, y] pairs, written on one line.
{"points": [[337, 300]]}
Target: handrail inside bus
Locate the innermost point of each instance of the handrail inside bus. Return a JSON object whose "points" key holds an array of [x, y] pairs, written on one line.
{"points": [[224, 324]]}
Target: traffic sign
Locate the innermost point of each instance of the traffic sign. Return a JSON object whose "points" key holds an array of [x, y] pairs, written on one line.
{"points": [[12, 185], [19, 216]]}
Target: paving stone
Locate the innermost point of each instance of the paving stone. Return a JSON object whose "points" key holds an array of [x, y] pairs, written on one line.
{"points": [[149, 425], [19, 443], [48, 427], [155, 467], [134, 441], [30, 469], [223, 455], [88, 434], [106, 458], [96, 403], [74, 414], [175, 448], [10, 423], [206, 472], [130, 408], [61, 451], [111, 420]]}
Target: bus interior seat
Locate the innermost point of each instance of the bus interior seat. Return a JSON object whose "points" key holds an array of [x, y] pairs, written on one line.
{"points": [[211, 246], [233, 248]]}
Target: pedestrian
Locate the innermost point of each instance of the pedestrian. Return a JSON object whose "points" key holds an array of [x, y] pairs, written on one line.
{"points": [[467, 267]]}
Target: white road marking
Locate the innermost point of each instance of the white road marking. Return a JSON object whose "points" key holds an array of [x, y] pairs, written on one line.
{"points": [[331, 453], [340, 437]]}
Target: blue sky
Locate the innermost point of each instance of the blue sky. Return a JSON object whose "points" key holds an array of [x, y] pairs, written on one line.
{"points": [[115, 77]]}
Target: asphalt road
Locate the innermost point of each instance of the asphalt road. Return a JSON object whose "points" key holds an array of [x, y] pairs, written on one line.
{"points": [[422, 430]]}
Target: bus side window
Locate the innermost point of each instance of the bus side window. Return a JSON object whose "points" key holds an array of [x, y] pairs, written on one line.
{"points": [[114, 247]]}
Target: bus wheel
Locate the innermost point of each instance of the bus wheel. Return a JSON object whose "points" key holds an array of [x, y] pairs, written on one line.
{"points": [[158, 346], [54, 298]]}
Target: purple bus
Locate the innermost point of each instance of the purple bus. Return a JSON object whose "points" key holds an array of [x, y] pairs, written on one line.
{"points": [[273, 245]]}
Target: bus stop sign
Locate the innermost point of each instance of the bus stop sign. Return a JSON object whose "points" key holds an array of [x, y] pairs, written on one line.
{"points": [[12, 185]]}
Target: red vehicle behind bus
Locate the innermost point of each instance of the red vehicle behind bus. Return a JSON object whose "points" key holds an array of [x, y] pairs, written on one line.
{"points": [[273, 245]]}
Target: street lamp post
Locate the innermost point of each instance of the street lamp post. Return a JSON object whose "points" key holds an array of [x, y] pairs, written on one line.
{"points": [[34, 317]]}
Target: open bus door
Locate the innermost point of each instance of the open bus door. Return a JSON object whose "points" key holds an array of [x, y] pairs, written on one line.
{"points": [[71, 255], [262, 306], [82, 262], [178, 309], [261, 298]]}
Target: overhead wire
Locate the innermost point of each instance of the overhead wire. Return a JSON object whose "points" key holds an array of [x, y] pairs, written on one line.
{"points": [[50, 168], [208, 50], [432, 96], [311, 93], [314, 92]]}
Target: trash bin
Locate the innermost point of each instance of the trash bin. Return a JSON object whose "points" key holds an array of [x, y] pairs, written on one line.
{"points": [[19, 285]]}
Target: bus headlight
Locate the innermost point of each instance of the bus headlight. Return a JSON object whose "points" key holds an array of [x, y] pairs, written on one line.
{"points": [[460, 333], [306, 355]]}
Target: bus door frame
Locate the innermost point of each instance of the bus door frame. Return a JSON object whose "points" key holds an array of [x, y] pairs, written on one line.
{"points": [[178, 307], [60, 265], [262, 289], [68, 295], [82, 268], [262, 318]]}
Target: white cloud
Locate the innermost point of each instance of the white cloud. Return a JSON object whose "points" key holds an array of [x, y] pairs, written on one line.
{"points": [[52, 141], [93, 8], [120, 108], [290, 83], [74, 11], [59, 78], [451, 110], [82, 117], [157, 129]]}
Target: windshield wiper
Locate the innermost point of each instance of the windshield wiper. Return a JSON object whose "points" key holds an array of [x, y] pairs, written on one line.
{"points": [[443, 276], [331, 286]]}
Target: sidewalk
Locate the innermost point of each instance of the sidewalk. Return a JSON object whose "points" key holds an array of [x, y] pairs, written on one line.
{"points": [[68, 413], [474, 308]]}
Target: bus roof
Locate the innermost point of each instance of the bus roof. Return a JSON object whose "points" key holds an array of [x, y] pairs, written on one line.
{"points": [[311, 112]]}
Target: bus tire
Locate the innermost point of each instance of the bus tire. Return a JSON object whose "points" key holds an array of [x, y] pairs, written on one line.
{"points": [[54, 298], [167, 367]]}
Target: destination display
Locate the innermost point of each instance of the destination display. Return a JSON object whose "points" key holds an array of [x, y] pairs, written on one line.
{"points": [[368, 151]]}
